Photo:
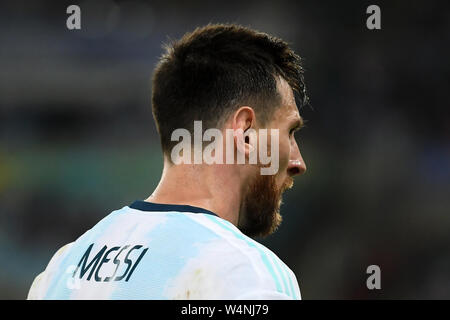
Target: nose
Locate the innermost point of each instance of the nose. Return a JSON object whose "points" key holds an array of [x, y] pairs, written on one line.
{"points": [[296, 165]]}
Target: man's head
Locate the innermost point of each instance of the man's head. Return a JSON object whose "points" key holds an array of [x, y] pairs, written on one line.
{"points": [[260, 211], [229, 76]]}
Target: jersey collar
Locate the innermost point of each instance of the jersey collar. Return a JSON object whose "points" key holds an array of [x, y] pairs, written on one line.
{"points": [[151, 206]]}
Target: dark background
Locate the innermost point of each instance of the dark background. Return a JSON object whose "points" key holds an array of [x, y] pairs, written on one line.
{"points": [[77, 138]]}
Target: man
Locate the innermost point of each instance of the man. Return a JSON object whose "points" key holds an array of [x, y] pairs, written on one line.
{"points": [[191, 238]]}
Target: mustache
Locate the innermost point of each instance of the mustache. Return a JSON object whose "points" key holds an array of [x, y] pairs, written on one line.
{"points": [[287, 184]]}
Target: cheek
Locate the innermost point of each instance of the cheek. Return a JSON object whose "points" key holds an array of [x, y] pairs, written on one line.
{"points": [[285, 151], [283, 161]]}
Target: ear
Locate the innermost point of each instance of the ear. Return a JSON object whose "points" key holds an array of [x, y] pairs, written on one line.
{"points": [[243, 120]]}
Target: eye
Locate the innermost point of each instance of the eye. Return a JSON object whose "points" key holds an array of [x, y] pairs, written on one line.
{"points": [[292, 131]]}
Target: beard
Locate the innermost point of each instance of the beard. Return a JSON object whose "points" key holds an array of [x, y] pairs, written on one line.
{"points": [[260, 212]]}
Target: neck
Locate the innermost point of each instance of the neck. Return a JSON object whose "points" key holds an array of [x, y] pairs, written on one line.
{"points": [[217, 188]]}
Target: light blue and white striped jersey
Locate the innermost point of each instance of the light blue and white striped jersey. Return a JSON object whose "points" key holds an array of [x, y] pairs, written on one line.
{"points": [[158, 251]]}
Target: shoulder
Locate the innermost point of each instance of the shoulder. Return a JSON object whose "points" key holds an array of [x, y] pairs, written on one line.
{"points": [[244, 266], [40, 283]]}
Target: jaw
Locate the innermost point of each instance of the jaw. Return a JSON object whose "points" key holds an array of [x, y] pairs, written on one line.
{"points": [[259, 214]]}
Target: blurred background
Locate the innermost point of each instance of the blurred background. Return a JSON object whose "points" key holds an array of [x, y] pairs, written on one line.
{"points": [[77, 138]]}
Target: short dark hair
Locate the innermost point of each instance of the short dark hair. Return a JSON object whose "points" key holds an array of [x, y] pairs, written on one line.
{"points": [[210, 72]]}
